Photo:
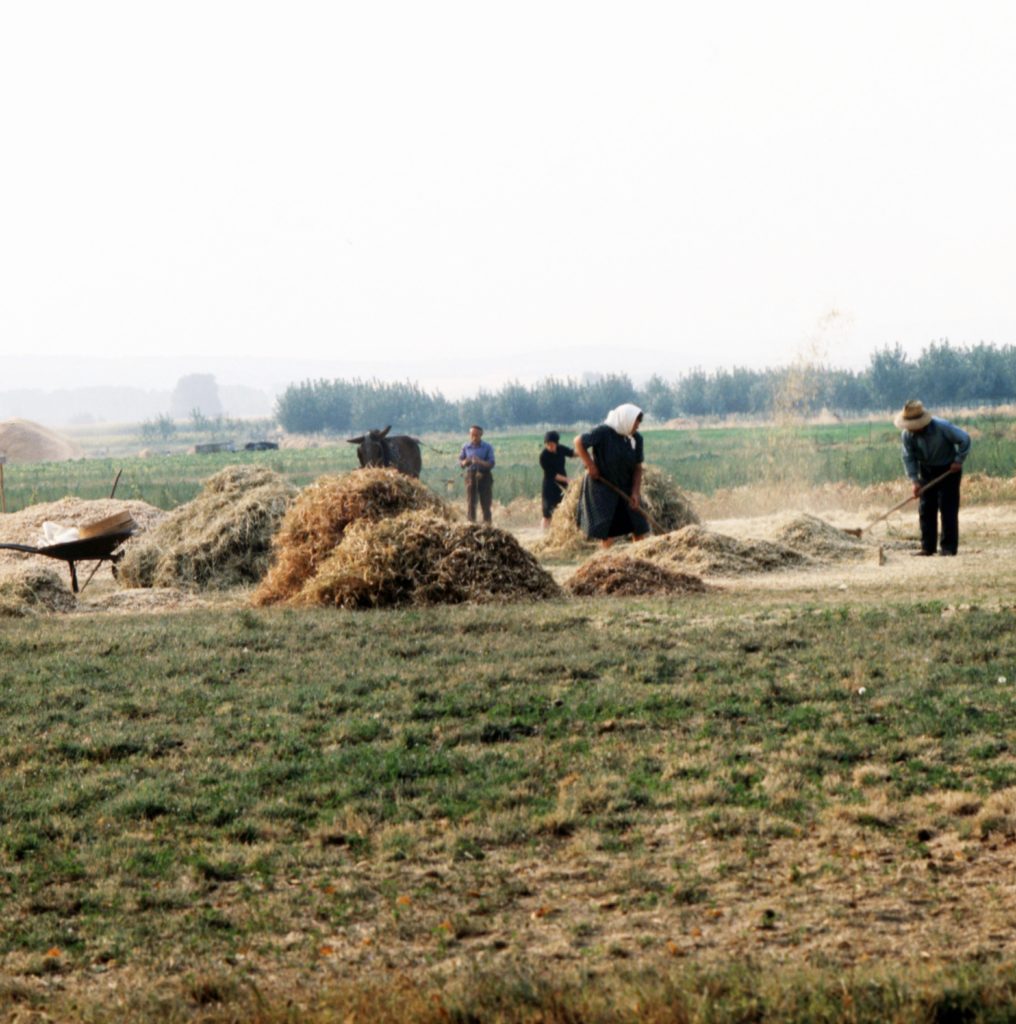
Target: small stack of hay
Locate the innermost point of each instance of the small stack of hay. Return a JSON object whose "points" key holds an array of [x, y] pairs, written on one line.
{"points": [[419, 558], [625, 576], [220, 539], [816, 537], [706, 553], [33, 590], [660, 496]]}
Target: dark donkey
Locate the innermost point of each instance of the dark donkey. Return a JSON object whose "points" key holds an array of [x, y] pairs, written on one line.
{"points": [[376, 448]]}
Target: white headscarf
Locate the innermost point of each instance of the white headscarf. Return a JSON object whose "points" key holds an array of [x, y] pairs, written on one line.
{"points": [[623, 419]]}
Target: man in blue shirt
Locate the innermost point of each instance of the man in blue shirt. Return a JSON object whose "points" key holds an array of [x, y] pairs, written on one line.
{"points": [[477, 459], [933, 447]]}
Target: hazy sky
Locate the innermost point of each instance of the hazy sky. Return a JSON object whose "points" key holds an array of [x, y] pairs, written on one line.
{"points": [[467, 192]]}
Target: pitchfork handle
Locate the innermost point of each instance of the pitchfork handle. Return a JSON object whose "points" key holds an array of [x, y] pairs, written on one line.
{"points": [[621, 494]]}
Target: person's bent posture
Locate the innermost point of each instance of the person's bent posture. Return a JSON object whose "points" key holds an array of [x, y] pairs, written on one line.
{"points": [[934, 448], [610, 501]]}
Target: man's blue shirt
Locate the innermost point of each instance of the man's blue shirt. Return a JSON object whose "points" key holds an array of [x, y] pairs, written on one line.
{"points": [[939, 444], [483, 450]]}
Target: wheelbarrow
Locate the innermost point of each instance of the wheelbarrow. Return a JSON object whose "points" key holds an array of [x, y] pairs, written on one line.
{"points": [[97, 542]]}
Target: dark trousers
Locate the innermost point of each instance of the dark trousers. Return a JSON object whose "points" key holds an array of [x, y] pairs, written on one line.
{"points": [[941, 500], [479, 487]]}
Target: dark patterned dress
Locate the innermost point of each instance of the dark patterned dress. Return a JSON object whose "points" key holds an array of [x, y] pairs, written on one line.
{"points": [[601, 512], [552, 464]]}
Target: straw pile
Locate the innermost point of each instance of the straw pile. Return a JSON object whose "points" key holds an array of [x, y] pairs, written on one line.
{"points": [[705, 552], [25, 441], [33, 590], [816, 537], [419, 558], [220, 539], [625, 576], [660, 496], [318, 519]]}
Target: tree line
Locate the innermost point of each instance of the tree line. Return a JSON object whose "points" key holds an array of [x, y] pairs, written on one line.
{"points": [[941, 375]]}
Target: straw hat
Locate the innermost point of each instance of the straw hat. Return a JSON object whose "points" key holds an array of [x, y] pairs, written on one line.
{"points": [[913, 417]]}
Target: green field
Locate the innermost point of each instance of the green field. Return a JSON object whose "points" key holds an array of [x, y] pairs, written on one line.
{"points": [[223, 816], [701, 460]]}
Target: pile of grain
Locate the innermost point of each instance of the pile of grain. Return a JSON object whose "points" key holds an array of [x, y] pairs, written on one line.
{"points": [[220, 539], [660, 496], [33, 590], [317, 521], [821, 540], [708, 553], [25, 441], [626, 576], [419, 558]]}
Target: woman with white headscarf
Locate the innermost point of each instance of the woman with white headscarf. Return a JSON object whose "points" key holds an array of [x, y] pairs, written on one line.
{"points": [[616, 458]]}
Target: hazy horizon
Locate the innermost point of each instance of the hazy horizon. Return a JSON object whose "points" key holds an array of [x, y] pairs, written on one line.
{"points": [[461, 195]]}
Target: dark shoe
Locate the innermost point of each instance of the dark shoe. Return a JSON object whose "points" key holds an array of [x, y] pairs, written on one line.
{"points": [[951, 553], [922, 553]]}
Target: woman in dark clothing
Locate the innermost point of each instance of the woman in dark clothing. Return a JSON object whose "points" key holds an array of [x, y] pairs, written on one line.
{"points": [[555, 479], [616, 458]]}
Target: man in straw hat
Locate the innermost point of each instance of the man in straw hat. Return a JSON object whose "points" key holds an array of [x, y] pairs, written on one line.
{"points": [[933, 447]]}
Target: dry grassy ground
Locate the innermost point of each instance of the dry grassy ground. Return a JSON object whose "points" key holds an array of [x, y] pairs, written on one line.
{"points": [[920, 880]]}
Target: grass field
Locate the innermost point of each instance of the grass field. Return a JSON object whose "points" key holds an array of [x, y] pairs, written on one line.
{"points": [[790, 798], [720, 808]]}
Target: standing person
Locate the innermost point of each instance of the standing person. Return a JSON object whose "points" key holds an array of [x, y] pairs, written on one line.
{"points": [[933, 447], [477, 459], [555, 478], [616, 443]]}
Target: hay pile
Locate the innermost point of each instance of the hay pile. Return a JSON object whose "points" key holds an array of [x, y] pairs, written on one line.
{"points": [[813, 536], [661, 497], [625, 576], [220, 539], [317, 521], [33, 590], [25, 441], [419, 558], [705, 552]]}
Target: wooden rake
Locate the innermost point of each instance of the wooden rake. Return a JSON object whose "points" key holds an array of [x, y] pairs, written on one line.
{"points": [[885, 515]]}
